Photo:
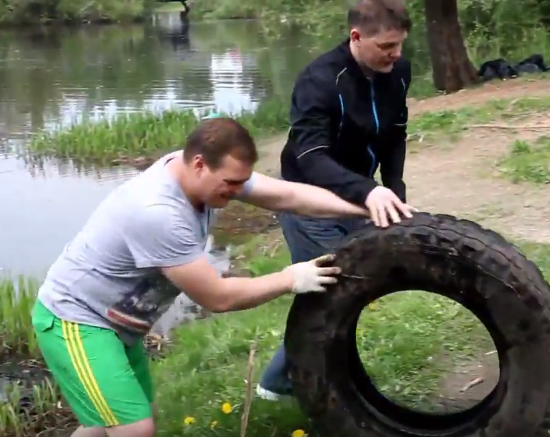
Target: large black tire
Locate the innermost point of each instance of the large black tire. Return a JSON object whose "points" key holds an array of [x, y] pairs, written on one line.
{"points": [[452, 257]]}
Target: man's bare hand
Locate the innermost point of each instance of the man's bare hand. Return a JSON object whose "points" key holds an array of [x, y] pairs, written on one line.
{"points": [[383, 204]]}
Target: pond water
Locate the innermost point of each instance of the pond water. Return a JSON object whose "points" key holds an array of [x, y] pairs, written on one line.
{"points": [[49, 79]]}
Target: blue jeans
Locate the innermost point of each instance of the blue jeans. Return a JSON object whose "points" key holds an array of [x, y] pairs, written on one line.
{"points": [[307, 238]]}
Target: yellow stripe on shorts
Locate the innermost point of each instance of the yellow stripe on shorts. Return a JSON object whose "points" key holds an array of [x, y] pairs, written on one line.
{"points": [[82, 366]]}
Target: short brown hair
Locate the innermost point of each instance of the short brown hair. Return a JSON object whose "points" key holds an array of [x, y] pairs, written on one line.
{"points": [[372, 16], [217, 138]]}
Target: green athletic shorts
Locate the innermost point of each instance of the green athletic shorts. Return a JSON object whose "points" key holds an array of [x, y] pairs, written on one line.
{"points": [[105, 382]]}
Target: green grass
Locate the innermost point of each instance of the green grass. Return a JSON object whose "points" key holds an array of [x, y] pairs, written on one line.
{"points": [[18, 342], [398, 338], [200, 384], [145, 134], [43, 413], [527, 162], [453, 122], [16, 301], [404, 339]]}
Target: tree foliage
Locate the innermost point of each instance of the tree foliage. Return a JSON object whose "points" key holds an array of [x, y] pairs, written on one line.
{"points": [[507, 20], [32, 11]]}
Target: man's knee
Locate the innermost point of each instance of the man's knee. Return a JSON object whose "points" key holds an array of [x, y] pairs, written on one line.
{"points": [[143, 428]]}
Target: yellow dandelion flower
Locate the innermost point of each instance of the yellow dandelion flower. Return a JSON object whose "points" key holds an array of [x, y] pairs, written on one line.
{"points": [[189, 420], [227, 408], [373, 306], [299, 433], [213, 424]]}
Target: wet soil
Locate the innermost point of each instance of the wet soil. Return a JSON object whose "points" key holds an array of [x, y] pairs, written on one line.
{"points": [[24, 374], [238, 221], [56, 420]]}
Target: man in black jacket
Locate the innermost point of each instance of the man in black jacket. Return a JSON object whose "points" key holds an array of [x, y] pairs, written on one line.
{"points": [[348, 117]]}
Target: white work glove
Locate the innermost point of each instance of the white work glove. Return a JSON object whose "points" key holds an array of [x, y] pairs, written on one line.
{"points": [[309, 276]]}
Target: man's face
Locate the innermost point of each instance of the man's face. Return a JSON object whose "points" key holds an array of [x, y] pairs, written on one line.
{"points": [[219, 186], [379, 51]]}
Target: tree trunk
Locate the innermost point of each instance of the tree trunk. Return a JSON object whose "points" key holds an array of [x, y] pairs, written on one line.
{"points": [[452, 69]]}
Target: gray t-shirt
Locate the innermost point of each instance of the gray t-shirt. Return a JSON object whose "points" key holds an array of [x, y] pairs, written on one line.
{"points": [[109, 274]]}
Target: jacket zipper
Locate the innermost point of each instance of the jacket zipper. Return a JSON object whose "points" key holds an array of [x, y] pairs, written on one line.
{"points": [[375, 115]]}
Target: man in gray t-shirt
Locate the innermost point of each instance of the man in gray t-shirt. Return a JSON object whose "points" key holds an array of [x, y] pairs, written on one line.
{"points": [[109, 274], [143, 246]]}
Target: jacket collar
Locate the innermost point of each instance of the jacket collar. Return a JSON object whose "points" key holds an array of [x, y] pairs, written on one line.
{"points": [[349, 61], [353, 66]]}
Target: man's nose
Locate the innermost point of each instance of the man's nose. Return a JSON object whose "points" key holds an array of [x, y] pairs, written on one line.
{"points": [[396, 53]]}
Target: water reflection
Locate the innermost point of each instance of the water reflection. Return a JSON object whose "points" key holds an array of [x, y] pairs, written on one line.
{"points": [[50, 79], [41, 212]]}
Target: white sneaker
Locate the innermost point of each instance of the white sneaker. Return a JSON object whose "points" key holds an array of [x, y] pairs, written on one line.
{"points": [[266, 394]]}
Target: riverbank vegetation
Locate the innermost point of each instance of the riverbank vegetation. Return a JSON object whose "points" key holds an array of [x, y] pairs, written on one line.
{"points": [[202, 381], [452, 123], [16, 300], [527, 161], [139, 138]]}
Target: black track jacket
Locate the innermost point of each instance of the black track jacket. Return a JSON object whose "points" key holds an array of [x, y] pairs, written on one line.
{"points": [[343, 126]]}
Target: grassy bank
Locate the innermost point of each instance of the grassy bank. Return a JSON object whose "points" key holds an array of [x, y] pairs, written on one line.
{"points": [[452, 123], [201, 382], [398, 336], [527, 161], [16, 300], [138, 136]]}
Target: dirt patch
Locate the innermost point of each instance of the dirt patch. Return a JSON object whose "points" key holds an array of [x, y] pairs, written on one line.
{"points": [[24, 373], [270, 155], [458, 177], [510, 89], [463, 181], [42, 414], [468, 382], [238, 221]]}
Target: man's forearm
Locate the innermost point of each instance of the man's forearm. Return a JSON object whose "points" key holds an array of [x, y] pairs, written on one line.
{"points": [[318, 202], [305, 199], [202, 284], [245, 293]]}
